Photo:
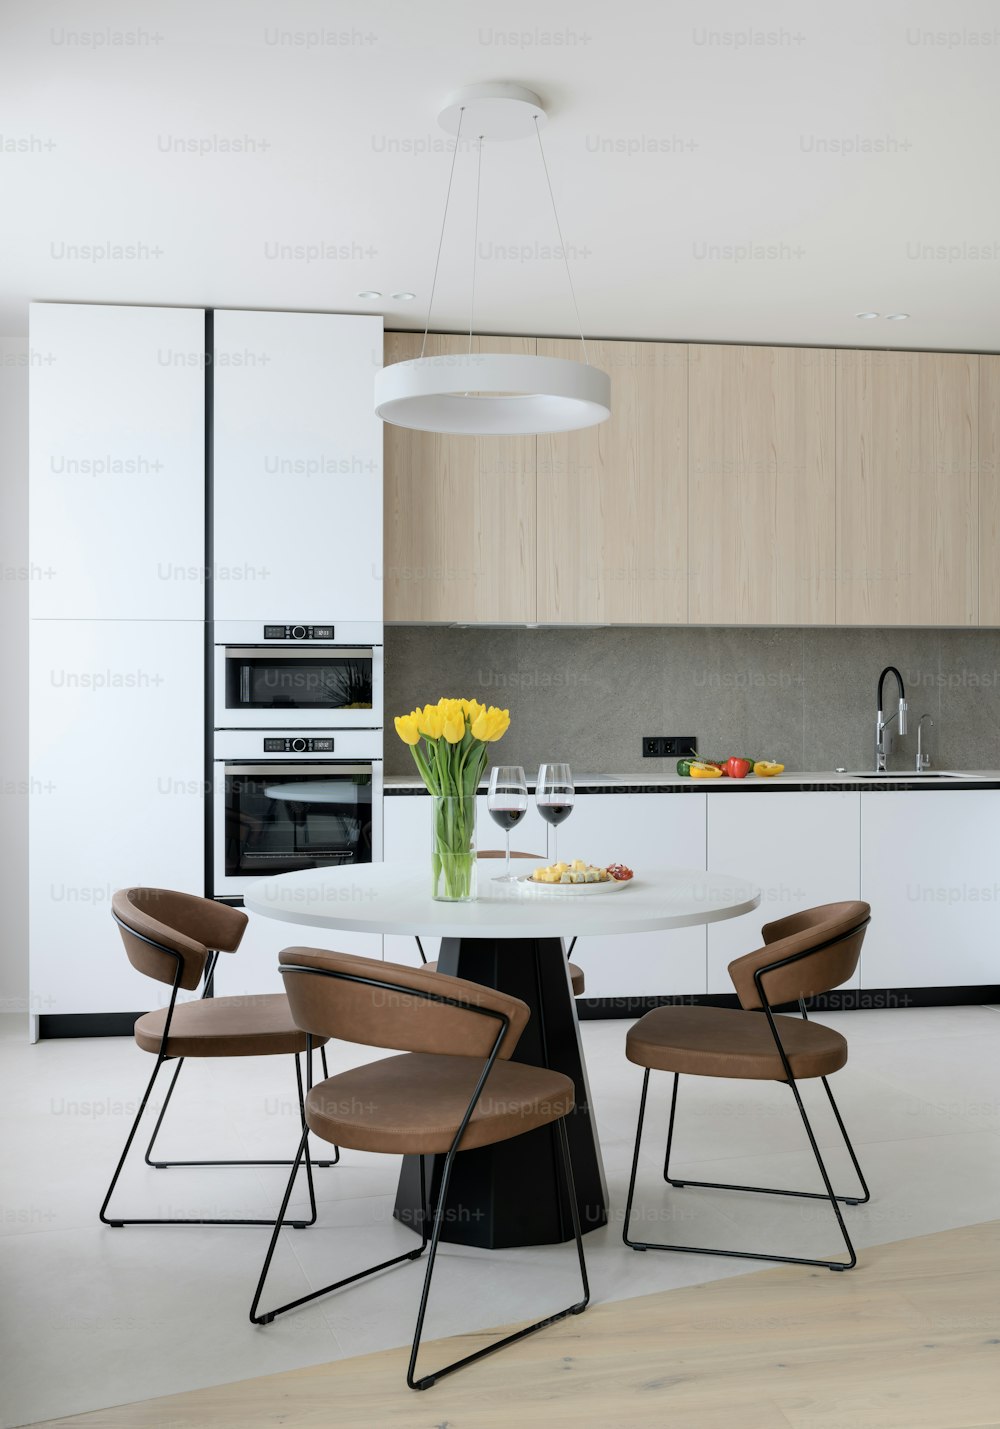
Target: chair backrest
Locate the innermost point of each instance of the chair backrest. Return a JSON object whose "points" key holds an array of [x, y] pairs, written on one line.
{"points": [[500, 853], [191, 927], [829, 936], [333, 995]]}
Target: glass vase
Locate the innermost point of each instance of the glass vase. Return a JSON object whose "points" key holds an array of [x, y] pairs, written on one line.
{"points": [[453, 849]]}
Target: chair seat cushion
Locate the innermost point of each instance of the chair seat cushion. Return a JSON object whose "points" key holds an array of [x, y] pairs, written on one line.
{"points": [[415, 1103], [225, 1027], [727, 1042], [575, 976]]}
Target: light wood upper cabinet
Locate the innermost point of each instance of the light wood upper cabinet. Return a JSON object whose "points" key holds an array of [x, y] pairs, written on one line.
{"points": [[761, 524], [989, 490], [612, 500], [459, 512], [907, 488]]}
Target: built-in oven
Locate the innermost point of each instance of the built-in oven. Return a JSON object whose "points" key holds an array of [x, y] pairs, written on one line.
{"points": [[271, 676], [286, 800]]}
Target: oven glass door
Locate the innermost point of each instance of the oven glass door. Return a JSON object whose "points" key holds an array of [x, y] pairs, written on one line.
{"points": [[256, 684], [279, 818]]}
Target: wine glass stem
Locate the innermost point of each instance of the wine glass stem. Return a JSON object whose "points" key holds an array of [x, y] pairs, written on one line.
{"points": [[507, 864], [555, 843]]}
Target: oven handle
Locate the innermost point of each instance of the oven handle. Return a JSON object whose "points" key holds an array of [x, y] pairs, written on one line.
{"points": [[298, 652], [269, 769]]}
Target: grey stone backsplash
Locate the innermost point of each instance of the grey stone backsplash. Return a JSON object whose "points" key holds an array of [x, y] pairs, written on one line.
{"points": [[805, 697]]}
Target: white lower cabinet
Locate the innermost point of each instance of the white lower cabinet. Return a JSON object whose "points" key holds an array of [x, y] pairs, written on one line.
{"points": [[116, 760], [644, 831], [800, 848], [929, 870]]}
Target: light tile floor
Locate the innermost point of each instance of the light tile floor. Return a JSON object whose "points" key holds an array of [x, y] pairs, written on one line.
{"points": [[91, 1316]]}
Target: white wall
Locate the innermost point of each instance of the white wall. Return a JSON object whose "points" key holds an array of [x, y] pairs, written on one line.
{"points": [[14, 359]]}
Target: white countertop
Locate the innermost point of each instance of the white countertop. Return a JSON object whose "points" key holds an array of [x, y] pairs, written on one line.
{"points": [[822, 779]]}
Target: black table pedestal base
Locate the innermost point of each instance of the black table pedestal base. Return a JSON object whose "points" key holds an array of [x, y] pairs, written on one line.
{"points": [[513, 1193]]}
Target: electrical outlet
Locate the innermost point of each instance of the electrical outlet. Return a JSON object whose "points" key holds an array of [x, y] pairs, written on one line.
{"points": [[666, 746]]}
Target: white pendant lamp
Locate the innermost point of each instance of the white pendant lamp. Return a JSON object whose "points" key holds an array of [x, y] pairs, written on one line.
{"points": [[489, 393]]}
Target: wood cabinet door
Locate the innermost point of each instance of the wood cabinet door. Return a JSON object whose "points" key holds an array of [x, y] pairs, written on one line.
{"points": [[612, 499], [989, 490], [459, 511], [761, 462], [907, 488]]}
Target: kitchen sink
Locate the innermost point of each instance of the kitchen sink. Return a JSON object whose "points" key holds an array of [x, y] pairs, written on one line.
{"points": [[899, 774]]}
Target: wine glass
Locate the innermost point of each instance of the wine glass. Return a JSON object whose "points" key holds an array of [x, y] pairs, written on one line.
{"points": [[554, 798], [507, 801]]}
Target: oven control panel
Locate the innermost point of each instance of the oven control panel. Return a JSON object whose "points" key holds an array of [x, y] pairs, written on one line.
{"points": [[298, 632], [298, 744]]}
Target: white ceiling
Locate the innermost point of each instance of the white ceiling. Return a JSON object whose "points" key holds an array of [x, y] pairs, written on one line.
{"points": [[680, 136]]}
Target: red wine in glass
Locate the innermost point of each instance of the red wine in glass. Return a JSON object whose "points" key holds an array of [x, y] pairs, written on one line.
{"points": [[554, 795], [507, 818], [507, 801]]}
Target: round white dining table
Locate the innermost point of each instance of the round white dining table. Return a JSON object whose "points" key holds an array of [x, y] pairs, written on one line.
{"points": [[510, 937]]}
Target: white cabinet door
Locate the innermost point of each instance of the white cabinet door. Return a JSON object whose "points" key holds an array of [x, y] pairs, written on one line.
{"points": [[801, 849], [929, 871], [297, 467], [116, 759], [642, 830], [117, 462]]}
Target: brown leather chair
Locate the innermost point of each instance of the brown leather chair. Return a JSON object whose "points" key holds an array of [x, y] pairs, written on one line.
{"points": [[176, 938], [803, 955], [576, 976], [453, 1088]]}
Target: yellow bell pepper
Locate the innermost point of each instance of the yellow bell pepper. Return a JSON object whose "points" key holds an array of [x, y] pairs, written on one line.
{"points": [[767, 768], [704, 771]]}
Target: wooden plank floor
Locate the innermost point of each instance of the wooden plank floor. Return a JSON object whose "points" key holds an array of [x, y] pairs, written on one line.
{"points": [[908, 1340]]}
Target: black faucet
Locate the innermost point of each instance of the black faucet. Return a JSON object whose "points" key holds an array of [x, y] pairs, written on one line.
{"points": [[881, 723]]}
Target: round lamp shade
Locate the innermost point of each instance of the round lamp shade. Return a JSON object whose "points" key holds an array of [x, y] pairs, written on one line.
{"points": [[492, 394]]}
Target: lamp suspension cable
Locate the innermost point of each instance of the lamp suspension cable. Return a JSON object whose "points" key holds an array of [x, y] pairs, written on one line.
{"points": [[562, 245], [475, 240], [444, 220]]}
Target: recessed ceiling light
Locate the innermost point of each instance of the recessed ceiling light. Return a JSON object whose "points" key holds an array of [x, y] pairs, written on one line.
{"points": [[866, 316], [896, 317], [403, 297], [369, 293]]}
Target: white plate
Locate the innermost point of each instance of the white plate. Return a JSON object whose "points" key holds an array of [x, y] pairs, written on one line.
{"points": [[611, 886]]}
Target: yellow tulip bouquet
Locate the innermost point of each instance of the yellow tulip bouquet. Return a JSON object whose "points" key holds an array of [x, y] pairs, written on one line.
{"points": [[449, 742]]}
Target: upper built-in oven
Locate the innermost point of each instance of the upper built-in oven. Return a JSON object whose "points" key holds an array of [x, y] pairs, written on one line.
{"points": [[313, 676]]}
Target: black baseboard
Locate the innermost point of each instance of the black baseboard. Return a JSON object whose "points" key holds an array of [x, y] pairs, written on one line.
{"points": [[596, 1009], [86, 1024]]}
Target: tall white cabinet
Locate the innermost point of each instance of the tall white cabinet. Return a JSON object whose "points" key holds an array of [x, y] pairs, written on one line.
{"points": [[297, 479], [116, 459], [117, 534]]}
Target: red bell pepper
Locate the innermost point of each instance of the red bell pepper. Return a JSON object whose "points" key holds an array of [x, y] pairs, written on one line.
{"points": [[737, 768]]}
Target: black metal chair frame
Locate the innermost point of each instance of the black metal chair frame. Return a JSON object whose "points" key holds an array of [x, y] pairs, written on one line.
{"points": [[163, 1056], [426, 1381], [828, 1195]]}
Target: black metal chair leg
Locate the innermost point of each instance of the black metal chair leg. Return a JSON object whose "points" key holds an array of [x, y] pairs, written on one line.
{"points": [[575, 1309], [128, 1143], [866, 1197], [269, 1315], [740, 1254], [118, 1221], [764, 1190], [163, 1165]]}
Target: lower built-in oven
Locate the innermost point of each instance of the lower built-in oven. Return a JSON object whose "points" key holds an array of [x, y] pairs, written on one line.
{"points": [[272, 676], [285, 800]]}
